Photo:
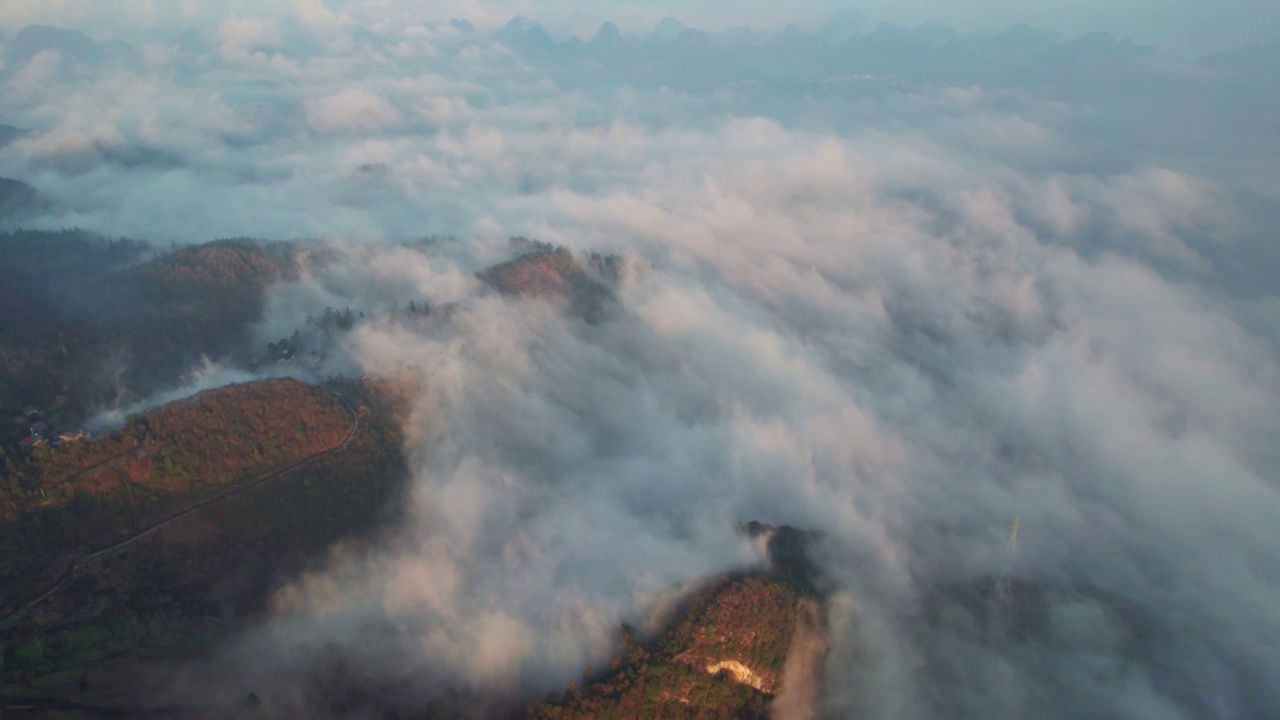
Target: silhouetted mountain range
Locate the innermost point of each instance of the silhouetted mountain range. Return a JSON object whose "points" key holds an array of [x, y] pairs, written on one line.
{"points": [[18, 201], [9, 133], [74, 49], [843, 46], [676, 54], [667, 29], [71, 46], [1255, 59]]}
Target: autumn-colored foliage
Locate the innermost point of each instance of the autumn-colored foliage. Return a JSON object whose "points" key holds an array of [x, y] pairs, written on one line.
{"points": [[178, 590], [62, 501], [550, 272], [724, 655], [539, 274], [222, 263], [747, 620]]}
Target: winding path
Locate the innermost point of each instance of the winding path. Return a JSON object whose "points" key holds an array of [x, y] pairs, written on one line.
{"points": [[175, 517], [75, 476], [41, 707]]}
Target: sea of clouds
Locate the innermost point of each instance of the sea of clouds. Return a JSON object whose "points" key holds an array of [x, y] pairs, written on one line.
{"points": [[899, 314]]}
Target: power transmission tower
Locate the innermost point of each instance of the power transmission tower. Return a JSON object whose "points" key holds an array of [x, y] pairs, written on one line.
{"points": [[1004, 583]]}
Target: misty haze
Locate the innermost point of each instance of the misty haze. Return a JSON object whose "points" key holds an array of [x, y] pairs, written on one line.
{"points": [[503, 359]]}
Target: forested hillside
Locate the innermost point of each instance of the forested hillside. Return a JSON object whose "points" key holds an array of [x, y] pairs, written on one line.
{"points": [[722, 658], [92, 319], [545, 271], [63, 502], [160, 554]]}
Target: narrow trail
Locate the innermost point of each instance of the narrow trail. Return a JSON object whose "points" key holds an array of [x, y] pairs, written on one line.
{"points": [[76, 476], [175, 517], [41, 707]]}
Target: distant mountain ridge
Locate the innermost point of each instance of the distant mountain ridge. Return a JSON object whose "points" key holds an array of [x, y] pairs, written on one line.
{"points": [[843, 46], [19, 202], [668, 28], [9, 133], [672, 51], [72, 46], [1254, 59]]}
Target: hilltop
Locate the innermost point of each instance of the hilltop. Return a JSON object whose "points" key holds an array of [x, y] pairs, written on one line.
{"points": [[726, 653], [545, 271], [91, 317], [18, 200], [156, 541]]}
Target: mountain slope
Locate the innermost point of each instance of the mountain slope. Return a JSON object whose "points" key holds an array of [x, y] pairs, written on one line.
{"points": [[1256, 60], [667, 29], [165, 564], [74, 48], [18, 202], [554, 273], [9, 133], [730, 654]]}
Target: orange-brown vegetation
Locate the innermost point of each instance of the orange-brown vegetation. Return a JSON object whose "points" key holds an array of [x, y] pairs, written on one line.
{"points": [[550, 272], [538, 274], [178, 590], [223, 263], [747, 621], [61, 502], [724, 655], [740, 621]]}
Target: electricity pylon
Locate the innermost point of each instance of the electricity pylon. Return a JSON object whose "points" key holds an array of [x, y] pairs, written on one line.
{"points": [[1004, 583]]}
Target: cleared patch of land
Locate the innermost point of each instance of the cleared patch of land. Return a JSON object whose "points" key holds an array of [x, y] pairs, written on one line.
{"points": [[724, 656]]}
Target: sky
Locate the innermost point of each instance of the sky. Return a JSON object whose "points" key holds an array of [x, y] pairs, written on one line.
{"points": [[900, 306], [1182, 26]]}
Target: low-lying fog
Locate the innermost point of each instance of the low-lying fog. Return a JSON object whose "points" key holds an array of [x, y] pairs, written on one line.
{"points": [[900, 306]]}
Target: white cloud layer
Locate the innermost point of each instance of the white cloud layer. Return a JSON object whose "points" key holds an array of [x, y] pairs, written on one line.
{"points": [[899, 313], [353, 109]]}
